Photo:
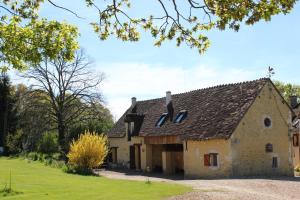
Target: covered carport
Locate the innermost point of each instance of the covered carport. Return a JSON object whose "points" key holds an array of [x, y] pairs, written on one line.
{"points": [[166, 154]]}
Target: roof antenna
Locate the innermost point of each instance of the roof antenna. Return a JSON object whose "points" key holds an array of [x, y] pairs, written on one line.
{"points": [[271, 72]]}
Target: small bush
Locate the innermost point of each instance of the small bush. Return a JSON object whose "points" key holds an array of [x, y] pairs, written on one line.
{"points": [[88, 152], [297, 168], [148, 182], [7, 189], [56, 156], [52, 160], [14, 142], [48, 143], [48, 162], [70, 169], [33, 156], [58, 163]]}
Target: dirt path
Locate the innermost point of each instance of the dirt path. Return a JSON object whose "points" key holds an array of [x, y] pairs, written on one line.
{"points": [[227, 189]]}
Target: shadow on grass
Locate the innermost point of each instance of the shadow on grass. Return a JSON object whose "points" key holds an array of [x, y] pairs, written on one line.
{"points": [[78, 171], [9, 192], [129, 172]]}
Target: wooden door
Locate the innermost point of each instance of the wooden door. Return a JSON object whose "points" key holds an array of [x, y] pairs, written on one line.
{"points": [[138, 156], [132, 157]]}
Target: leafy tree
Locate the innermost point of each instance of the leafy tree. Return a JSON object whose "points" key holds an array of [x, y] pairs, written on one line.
{"points": [[184, 21], [14, 142], [34, 118], [8, 117], [100, 124], [48, 143], [287, 89], [70, 89], [27, 45], [26, 39], [31, 126]]}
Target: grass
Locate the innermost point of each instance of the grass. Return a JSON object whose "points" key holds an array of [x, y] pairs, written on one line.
{"points": [[33, 180]]}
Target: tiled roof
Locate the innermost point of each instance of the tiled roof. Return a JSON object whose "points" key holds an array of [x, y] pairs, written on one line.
{"points": [[212, 112]]}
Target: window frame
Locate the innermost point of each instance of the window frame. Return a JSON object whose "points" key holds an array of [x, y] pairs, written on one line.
{"points": [[269, 148], [295, 141], [275, 164], [266, 125], [214, 160], [114, 155], [162, 119], [180, 116], [211, 160], [130, 130]]}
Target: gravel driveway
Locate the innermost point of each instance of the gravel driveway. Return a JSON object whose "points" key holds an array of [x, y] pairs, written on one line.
{"points": [[226, 189], [245, 189]]}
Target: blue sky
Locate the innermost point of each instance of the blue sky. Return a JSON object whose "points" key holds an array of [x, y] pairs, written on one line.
{"points": [[144, 71]]}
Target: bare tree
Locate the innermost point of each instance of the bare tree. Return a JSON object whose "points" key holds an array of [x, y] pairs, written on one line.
{"points": [[72, 90]]}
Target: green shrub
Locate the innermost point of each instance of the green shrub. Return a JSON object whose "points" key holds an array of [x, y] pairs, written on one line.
{"points": [[297, 168], [52, 160], [58, 163], [14, 142], [48, 162], [7, 189], [56, 156], [148, 182], [33, 156], [71, 169], [48, 143]]}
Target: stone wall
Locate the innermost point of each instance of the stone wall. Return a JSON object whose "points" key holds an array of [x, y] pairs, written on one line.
{"points": [[248, 143]]}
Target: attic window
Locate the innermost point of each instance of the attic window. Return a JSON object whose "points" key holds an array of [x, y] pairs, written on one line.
{"points": [[180, 116], [267, 122], [161, 120]]}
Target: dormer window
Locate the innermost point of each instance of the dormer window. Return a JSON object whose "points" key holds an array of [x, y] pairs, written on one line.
{"points": [[180, 116], [161, 120], [130, 129]]}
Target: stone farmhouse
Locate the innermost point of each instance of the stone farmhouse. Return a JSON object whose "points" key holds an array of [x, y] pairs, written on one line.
{"points": [[242, 129]]}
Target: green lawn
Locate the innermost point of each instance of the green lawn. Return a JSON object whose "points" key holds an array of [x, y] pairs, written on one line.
{"points": [[35, 181]]}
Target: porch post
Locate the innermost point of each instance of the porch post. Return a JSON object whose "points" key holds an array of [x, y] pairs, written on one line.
{"points": [[146, 157], [137, 155], [167, 162]]}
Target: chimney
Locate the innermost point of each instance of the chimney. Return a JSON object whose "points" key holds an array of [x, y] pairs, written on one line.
{"points": [[293, 101], [169, 105], [133, 101], [168, 97]]}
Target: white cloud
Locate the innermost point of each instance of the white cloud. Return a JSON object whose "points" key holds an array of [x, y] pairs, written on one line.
{"points": [[144, 81]]}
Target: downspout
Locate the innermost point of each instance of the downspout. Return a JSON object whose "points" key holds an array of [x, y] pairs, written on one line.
{"points": [[290, 134]]}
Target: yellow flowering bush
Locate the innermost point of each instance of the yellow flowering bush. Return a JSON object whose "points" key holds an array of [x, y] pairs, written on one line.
{"points": [[88, 151]]}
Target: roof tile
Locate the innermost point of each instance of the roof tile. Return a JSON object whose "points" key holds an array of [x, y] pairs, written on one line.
{"points": [[213, 112]]}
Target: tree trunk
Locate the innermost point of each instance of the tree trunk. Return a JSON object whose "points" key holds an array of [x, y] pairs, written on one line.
{"points": [[61, 135]]}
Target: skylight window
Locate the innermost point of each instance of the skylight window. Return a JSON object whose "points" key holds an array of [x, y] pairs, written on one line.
{"points": [[180, 116], [161, 120]]}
